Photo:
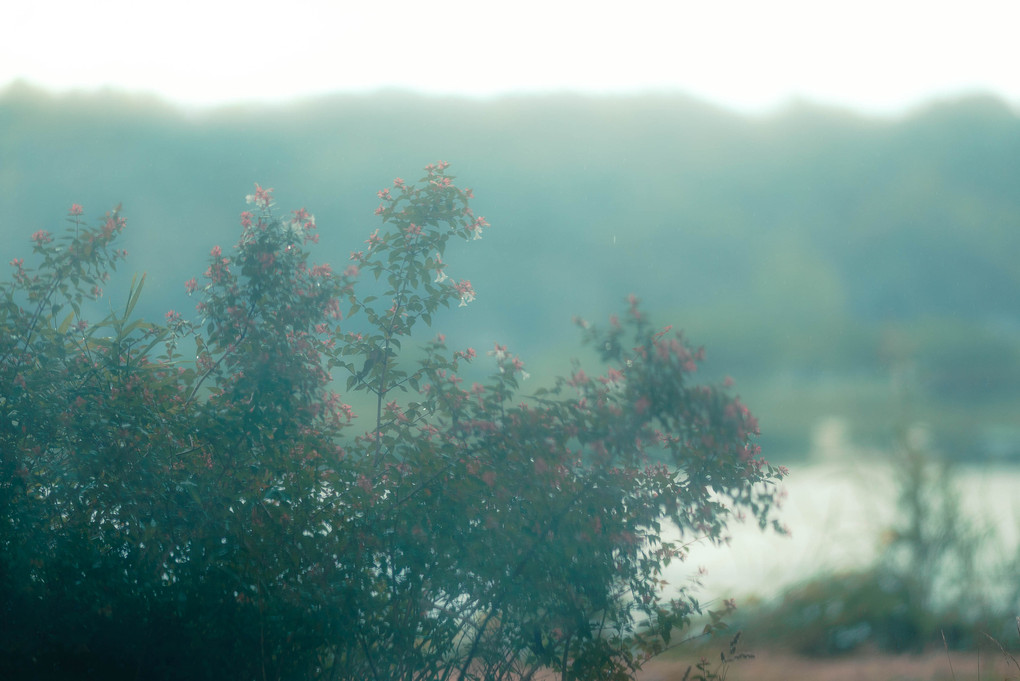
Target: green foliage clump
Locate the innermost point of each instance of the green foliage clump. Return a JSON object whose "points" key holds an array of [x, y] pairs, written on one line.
{"points": [[930, 586], [225, 518]]}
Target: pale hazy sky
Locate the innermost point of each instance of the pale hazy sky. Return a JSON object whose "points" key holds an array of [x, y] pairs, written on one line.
{"points": [[875, 56]]}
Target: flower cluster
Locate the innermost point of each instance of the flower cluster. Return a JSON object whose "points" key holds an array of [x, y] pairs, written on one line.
{"points": [[464, 290], [262, 198]]}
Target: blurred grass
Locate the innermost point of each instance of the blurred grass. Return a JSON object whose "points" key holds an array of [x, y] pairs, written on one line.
{"points": [[777, 665]]}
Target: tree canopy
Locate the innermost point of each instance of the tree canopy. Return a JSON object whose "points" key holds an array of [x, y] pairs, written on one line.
{"points": [[196, 498]]}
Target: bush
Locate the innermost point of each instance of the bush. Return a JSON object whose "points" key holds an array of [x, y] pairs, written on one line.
{"points": [[225, 517], [931, 586]]}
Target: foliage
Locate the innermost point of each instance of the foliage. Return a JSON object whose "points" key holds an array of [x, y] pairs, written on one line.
{"points": [[935, 543], [227, 518], [906, 222], [835, 614], [934, 583]]}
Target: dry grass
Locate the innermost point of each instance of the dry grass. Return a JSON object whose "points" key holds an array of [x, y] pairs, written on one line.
{"points": [[932, 666]]}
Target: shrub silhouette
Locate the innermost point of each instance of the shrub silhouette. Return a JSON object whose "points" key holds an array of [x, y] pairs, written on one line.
{"points": [[193, 498]]}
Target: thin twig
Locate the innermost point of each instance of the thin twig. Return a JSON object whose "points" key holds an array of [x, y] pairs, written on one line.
{"points": [[1005, 653], [948, 656]]}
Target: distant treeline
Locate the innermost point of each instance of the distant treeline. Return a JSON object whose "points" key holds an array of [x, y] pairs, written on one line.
{"points": [[791, 243]]}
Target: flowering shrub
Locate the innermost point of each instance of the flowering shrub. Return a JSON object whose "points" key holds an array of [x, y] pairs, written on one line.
{"points": [[232, 517]]}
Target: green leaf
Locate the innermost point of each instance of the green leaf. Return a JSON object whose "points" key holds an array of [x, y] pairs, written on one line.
{"points": [[133, 294], [66, 324]]}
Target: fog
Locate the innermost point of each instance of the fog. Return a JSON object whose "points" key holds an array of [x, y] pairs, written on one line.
{"points": [[852, 276]]}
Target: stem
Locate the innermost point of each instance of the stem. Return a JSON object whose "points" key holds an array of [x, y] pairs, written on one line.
{"points": [[368, 656], [35, 316], [521, 564], [244, 334], [381, 392], [262, 631], [563, 662]]}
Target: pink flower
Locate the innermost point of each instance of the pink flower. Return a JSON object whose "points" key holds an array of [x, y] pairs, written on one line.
{"points": [[216, 251], [634, 302], [440, 274], [476, 227], [352, 271], [662, 333], [246, 218], [613, 379], [262, 198], [191, 285], [579, 378], [333, 309], [42, 237], [76, 209], [365, 484], [518, 367], [394, 410], [464, 290]]}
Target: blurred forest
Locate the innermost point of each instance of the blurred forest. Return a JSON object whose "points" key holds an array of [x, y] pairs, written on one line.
{"points": [[816, 254]]}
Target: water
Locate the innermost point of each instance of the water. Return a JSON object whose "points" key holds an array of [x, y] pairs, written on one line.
{"points": [[839, 510]]}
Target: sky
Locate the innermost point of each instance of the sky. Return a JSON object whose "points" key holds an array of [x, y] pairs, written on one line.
{"points": [[872, 56]]}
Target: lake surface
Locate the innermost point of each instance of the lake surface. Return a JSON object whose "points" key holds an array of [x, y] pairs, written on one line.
{"points": [[838, 509]]}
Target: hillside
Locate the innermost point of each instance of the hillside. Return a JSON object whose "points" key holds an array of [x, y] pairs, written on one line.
{"points": [[807, 249]]}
